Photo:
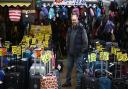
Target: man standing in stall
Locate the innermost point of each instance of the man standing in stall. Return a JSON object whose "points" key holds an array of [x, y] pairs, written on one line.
{"points": [[77, 48]]}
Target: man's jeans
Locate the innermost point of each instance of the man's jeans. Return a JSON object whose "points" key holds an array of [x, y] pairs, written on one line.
{"points": [[80, 64]]}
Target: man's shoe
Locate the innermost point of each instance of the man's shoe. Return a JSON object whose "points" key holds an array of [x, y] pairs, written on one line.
{"points": [[66, 85]]}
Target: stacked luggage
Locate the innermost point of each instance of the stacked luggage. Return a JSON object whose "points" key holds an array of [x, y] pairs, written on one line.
{"points": [[31, 64], [104, 67]]}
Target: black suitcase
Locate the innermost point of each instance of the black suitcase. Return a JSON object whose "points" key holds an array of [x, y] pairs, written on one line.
{"points": [[13, 80], [89, 83], [34, 81]]}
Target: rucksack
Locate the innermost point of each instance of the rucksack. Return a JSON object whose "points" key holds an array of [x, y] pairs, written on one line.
{"points": [[91, 12], [113, 6], [51, 13], [109, 26], [76, 11], [44, 12], [98, 12], [64, 13]]}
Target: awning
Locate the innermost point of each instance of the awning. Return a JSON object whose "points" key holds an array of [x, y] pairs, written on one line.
{"points": [[15, 3]]}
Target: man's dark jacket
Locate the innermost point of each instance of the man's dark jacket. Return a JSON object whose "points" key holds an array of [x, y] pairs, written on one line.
{"points": [[80, 41]]}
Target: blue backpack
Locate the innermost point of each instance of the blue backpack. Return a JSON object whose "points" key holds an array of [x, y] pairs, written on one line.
{"points": [[44, 12], [51, 13], [64, 13], [98, 12]]}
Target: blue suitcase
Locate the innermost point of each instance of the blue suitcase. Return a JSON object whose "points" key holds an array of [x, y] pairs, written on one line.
{"points": [[104, 83]]}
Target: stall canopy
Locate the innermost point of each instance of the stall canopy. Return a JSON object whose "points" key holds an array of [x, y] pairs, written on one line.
{"points": [[15, 3]]}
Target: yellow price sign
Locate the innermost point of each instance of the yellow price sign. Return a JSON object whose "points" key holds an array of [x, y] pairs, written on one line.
{"points": [[106, 56], [28, 40], [89, 58], [93, 57], [115, 51], [14, 49], [19, 50], [0, 52], [124, 57], [101, 55], [33, 40], [119, 56], [112, 50]]}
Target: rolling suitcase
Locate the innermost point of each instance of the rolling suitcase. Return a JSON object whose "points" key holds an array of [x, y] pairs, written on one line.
{"points": [[36, 72], [89, 83], [13, 80], [104, 83], [35, 75]]}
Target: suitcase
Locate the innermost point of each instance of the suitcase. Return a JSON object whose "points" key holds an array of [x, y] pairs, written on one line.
{"points": [[89, 83], [57, 74], [104, 83], [13, 80], [49, 82], [36, 72], [34, 81]]}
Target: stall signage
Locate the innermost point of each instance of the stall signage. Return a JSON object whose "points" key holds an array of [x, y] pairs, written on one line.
{"points": [[69, 2]]}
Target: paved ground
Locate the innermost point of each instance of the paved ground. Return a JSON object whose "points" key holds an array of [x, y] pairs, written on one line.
{"points": [[63, 74]]}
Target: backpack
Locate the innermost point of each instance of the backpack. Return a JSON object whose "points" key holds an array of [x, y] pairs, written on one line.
{"points": [[109, 26], [98, 12], [44, 12], [51, 13], [76, 11], [91, 12], [113, 6], [103, 10], [64, 13]]}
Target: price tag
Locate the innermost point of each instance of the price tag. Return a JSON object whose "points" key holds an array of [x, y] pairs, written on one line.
{"points": [[119, 56], [93, 57], [112, 50], [101, 55], [19, 50], [124, 57], [33, 41], [14, 49], [106, 56], [0, 51], [28, 41]]}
